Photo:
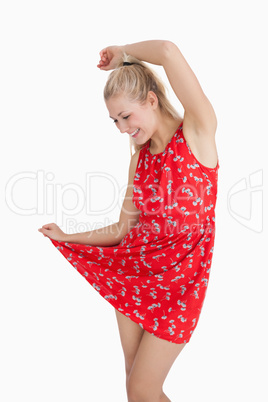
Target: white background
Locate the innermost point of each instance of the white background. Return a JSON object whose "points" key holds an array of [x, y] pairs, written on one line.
{"points": [[59, 338]]}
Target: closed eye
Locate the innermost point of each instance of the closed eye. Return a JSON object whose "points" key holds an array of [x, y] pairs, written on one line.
{"points": [[125, 118]]}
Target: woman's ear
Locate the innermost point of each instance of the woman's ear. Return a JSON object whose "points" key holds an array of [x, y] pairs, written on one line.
{"points": [[152, 99]]}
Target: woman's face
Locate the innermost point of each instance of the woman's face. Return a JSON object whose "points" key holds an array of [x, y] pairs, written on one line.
{"points": [[132, 118]]}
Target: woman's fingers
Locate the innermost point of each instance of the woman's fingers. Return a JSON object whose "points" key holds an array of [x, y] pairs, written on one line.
{"points": [[103, 55], [101, 62], [103, 65], [43, 231], [109, 57], [106, 55], [53, 231], [47, 227]]}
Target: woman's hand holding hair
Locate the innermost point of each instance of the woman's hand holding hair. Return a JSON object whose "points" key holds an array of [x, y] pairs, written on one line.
{"points": [[110, 57]]}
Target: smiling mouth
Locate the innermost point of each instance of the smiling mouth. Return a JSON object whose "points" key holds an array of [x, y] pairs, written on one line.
{"points": [[135, 132]]}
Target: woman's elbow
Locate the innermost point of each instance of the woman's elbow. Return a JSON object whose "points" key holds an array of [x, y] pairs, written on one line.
{"points": [[169, 49]]}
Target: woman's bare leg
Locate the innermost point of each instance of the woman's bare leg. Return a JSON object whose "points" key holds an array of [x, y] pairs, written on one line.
{"points": [[138, 346], [130, 336], [152, 363]]}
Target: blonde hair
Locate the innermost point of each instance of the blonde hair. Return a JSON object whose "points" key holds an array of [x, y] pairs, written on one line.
{"points": [[136, 80]]}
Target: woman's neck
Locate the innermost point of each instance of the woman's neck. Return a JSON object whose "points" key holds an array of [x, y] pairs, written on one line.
{"points": [[165, 131]]}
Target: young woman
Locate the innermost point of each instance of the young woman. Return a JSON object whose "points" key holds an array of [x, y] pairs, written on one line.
{"points": [[153, 264]]}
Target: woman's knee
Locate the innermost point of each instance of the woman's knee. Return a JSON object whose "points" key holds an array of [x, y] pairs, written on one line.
{"points": [[141, 392]]}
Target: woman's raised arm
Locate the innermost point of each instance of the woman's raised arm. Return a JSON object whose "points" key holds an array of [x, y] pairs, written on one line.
{"points": [[199, 112]]}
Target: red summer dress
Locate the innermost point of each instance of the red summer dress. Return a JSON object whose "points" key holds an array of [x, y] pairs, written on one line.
{"points": [[158, 274]]}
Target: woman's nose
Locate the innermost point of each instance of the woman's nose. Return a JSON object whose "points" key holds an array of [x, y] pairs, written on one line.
{"points": [[123, 127]]}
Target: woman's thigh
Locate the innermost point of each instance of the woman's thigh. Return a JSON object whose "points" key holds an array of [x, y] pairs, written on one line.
{"points": [[153, 360], [130, 336]]}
